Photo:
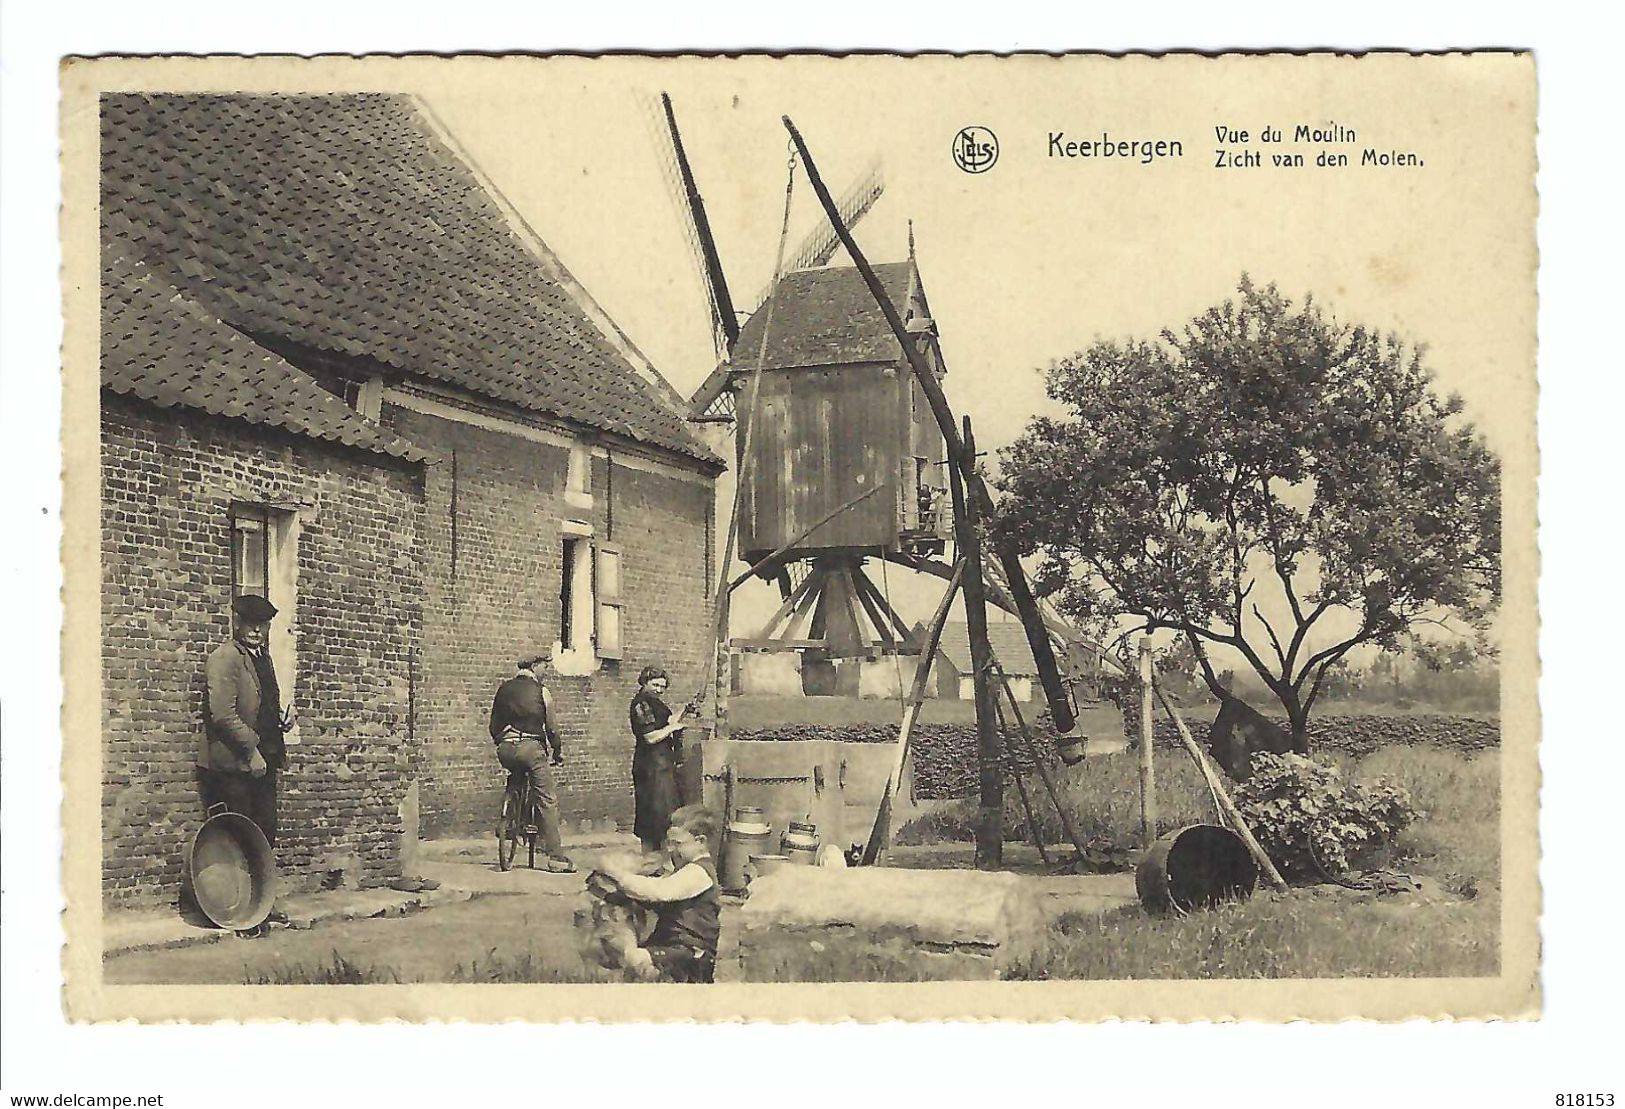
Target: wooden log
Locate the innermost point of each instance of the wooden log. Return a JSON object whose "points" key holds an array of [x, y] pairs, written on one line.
{"points": [[1221, 796], [990, 776], [1148, 774]]}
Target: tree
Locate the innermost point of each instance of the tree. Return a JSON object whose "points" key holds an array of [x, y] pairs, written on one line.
{"points": [[1268, 480]]}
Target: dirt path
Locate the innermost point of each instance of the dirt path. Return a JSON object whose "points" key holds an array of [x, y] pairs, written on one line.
{"points": [[516, 926], [437, 945]]}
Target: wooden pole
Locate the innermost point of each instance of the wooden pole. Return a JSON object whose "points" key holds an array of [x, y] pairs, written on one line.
{"points": [[726, 319], [1221, 796], [880, 834], [1148, 774], [722, 657], [1032, 620], [990, 777]]}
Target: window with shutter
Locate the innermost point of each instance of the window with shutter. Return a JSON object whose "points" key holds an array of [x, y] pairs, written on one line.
{"points": [[611, 608]]}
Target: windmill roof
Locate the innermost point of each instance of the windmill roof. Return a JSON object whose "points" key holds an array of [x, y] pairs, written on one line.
{"points": [[1008, 640], [343, 224], [821, 317], [161, 346]]}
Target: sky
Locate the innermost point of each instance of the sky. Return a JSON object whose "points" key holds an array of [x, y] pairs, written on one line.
{"points": [[1041, 255]]}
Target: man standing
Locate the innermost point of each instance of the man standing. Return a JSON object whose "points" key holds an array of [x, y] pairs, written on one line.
{"points": [[522, 728], [242, 747]]}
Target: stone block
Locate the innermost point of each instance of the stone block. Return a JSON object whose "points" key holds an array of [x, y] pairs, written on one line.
{"points": [[948, 923]]}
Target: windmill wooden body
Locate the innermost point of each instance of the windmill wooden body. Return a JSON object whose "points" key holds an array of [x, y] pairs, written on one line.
{"points": [[840, 417]]}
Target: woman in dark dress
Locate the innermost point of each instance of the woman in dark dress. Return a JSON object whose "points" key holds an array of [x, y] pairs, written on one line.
{"points": [[654, 762]]}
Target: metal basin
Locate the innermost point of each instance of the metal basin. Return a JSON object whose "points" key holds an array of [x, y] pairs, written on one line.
{"points": [[230, 873]]}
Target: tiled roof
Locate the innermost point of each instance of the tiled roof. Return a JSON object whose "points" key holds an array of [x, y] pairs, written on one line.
{"points": [[1007, 638], [826, 317], [341, 223], [162, 347], [822, 317]]}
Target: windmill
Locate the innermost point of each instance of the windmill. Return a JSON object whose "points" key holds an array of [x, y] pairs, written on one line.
{"points": [[841, 444]]}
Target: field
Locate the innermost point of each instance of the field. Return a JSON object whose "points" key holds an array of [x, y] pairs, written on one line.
{"points": [[759, 711]]}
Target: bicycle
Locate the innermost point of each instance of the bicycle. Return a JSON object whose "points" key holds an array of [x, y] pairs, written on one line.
{"points": [[521, 818]]}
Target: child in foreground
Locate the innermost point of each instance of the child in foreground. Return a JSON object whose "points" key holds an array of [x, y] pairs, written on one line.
{"points": [[683, 945]]}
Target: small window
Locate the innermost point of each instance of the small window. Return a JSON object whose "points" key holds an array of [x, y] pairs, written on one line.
{"points": [[607, 588], [250, 551], [578, 479]]}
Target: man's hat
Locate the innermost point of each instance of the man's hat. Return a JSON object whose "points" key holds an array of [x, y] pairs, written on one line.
{"points": [[251, 606]]}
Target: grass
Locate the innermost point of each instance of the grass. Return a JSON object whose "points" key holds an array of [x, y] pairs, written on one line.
{"points": [[492, 967], [1102, 796], [1298, 934], [1310, 932], [525, 967], [339, 971]]}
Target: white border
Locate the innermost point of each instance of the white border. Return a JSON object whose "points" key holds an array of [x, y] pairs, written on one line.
{"points": [[1570, 1050]]}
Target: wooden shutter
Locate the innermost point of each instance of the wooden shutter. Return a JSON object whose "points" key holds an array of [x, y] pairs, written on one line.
{"points": [[610, 610]]}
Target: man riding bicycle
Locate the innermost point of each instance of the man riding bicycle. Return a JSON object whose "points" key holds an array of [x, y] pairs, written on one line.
{"points": [[522, 728]]}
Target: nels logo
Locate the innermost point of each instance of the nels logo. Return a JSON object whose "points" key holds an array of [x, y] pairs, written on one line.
{"points": [[975, 149]]}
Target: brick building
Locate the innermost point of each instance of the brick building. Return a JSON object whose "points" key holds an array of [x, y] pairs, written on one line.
{"points": [[338, 368]]}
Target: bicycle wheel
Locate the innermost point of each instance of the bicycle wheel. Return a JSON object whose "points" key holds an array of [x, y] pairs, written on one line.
{"points": [[533, 819], [509, 826]]}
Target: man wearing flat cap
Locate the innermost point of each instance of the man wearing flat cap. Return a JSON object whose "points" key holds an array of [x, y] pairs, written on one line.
{"points": [[242, 746], [522, 729]]}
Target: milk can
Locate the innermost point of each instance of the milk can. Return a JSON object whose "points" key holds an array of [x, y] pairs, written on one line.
{"points": [[800, 843], [747, 836]]}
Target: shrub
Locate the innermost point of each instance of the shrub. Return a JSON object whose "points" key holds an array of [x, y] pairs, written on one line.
{"points": [[1314, 822]]}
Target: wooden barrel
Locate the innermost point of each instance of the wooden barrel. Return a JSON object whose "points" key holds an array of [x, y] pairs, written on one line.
{"points": [[1196, 867]]}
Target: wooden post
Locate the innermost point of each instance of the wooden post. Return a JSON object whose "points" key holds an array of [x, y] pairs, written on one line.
{"points": [[1148, 774], [1221, 796], [724, 670], [990, 826], [723, 657]]}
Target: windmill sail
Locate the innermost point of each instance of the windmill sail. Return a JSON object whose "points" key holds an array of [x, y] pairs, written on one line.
{"points": [[822, 242], [685, 195]]}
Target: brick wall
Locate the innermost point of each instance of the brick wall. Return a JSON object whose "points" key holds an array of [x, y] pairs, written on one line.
{"points": [[499, 599], [168, 479]]}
